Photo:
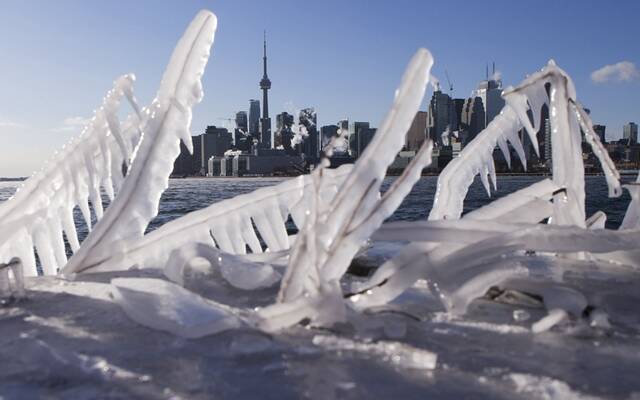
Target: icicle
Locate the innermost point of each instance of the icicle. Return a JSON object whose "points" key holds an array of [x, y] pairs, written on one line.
{"points": [[517, 145], [485, 180], [504, 148], [57, 241], [518, 102], [249, 234], [42, 239], [222, 238]]}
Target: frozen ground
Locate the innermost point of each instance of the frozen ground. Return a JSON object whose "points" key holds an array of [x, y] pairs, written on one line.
{"points": [[69, 340]]}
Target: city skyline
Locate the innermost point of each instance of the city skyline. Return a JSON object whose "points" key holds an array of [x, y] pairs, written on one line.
{"points": [[343, 69]]}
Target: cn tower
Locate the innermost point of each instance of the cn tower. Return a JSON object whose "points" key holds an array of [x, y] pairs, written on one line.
{"points": [[265, 85]]}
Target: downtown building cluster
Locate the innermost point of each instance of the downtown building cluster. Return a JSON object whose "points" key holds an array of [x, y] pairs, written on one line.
{"points": [[253, 149]]}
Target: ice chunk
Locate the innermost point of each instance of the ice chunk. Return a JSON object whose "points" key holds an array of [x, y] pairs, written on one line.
{"points": [[162, 305]]}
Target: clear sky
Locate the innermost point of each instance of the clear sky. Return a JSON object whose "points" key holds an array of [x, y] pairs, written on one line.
{"points": [[345, 58]]}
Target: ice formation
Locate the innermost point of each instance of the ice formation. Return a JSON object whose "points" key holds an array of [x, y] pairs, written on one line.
{"points": [[164, 123], [247, 239], [41, 211]]}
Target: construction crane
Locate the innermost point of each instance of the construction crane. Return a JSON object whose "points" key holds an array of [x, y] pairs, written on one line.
{"points": [[449, 82]]}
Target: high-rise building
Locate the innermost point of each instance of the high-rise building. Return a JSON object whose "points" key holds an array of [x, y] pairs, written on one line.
{"points": [[491, 93], [440, 116], [242, 122], [214, 142], [265, 85], [310, 146], [188, 164], [472, 119], [630, 132], [241, 132], [458, 105], [283, 135], [364, 138], [254, 118], [484, 104], [417, 133], [327, 132], [548, 156], [600, 131], [354, 130]]}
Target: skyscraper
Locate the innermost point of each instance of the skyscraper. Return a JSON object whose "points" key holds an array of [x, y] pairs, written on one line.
{"points": [[327, 132], [254, 118], [354, 131], [241, 121], [265, 85], [600, 131], [439, 116], [310, 146], [214, 142], [630, 132], [283, 135], [417, 132], [472, 118]]}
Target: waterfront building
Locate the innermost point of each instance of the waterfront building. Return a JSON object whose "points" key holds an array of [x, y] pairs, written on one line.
{"points": [[311, 143], [600, 131], [327, 133], [354, 143], [440, 115], [214, 142], [283, 134], [254, 118], [417, 133], [630, 133]]}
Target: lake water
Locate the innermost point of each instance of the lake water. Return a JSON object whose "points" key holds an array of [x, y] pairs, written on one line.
{"points": [[186, 195]]}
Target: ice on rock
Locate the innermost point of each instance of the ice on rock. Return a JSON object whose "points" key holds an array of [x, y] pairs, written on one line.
{"points": [[395, 353], [165, 306]]}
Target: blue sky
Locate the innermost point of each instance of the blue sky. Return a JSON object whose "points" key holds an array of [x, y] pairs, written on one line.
{"points": [[345, 58]]}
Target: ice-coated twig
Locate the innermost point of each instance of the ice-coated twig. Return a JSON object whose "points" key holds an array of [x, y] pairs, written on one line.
{"points": [[337, 229], [43, 206], [566, 119], [400, 272], [231, 226], [166, 122]]}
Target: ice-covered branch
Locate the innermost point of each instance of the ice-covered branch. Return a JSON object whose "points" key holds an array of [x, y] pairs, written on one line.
{"points": [[43, 206], [566, 119], [337, 229], [166, 122]]}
